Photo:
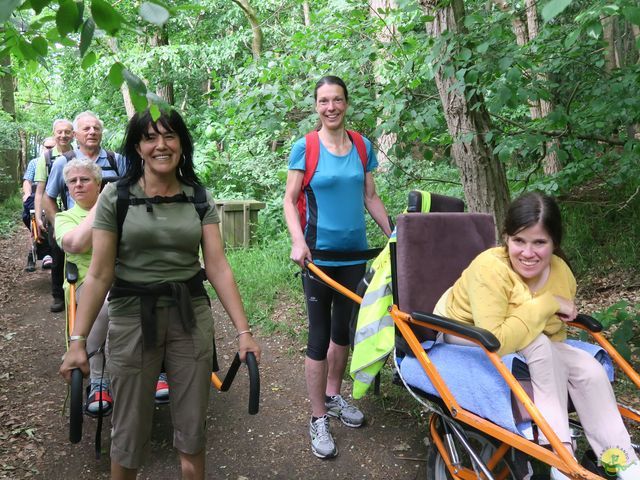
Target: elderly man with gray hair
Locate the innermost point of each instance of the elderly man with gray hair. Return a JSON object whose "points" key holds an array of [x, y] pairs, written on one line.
{"points": [[63, 135]]}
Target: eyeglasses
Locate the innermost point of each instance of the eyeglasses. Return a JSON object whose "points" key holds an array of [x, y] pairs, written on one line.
{"points": [[49, 147], [79, 180]]}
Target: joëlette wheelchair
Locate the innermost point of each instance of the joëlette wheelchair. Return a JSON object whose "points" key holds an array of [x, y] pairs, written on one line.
{"points": [[76, 388], [465, 445]]}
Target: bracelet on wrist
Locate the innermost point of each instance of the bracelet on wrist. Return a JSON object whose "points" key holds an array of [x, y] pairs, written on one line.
{"points": [[243, 332], [77, 338]]}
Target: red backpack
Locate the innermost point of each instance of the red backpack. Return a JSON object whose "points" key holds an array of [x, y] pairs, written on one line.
{"points": [[311, 157]]}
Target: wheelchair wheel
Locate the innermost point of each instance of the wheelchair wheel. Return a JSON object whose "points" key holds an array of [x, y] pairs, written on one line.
{"points": [[482, 445]]}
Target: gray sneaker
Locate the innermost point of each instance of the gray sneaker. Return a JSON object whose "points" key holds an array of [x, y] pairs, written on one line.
{"points": [[322, 444], [349, 414]]}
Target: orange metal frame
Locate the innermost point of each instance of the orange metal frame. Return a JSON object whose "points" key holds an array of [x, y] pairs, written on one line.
{"points": [[559, 457], [34, 228]]}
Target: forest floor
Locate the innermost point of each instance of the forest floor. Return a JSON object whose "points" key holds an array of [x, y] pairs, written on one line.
{"points": [[273, 444]]}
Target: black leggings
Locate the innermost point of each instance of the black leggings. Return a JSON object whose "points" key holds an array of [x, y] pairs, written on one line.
{"points": [[329, 312]]}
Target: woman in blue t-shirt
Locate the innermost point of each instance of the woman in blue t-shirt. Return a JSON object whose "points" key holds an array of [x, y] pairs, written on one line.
{"points": [[336, 195]]}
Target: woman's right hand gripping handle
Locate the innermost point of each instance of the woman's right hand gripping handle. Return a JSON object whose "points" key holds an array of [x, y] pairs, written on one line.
{"points": [[299, 252], [568, 311], [76, 357]]}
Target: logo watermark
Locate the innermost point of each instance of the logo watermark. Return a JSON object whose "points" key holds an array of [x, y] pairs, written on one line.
{"points": [[613, 460]]}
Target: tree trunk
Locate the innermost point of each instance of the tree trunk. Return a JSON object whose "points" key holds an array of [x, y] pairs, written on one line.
{"points": [[538, 108], [385, 36], [483, 176], [9, 174], [24, 151], [124, 88], [256, 45], [164, 89], [126, 98], [307, 15], [609, 34]]}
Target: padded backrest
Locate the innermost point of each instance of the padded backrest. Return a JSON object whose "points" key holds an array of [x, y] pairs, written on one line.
{"points": [[437, 202], [432, 251]]}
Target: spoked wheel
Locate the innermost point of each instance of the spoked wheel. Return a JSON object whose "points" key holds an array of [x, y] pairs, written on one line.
{"points": [[483, 446]]}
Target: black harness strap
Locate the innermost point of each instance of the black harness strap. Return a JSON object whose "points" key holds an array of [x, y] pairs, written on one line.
{"points": [[124, 201], [331, 255], [181, 292]]}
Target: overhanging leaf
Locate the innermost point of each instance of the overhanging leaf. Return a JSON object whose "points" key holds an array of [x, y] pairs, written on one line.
{"points": [[38, 5], [154, 13], [89, 60], [86, 36], [115, 74], [40, 45], [155, 112], [554, 8], [140, 102], [106, 17], [7, 9], [135, 84], [67, 17]]}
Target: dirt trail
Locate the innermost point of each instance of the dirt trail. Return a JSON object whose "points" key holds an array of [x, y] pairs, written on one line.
{"points": [[270, 445]]}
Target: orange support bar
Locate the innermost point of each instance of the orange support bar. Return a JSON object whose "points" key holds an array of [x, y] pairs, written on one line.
{"points": [[71, 308], [333, 284]]}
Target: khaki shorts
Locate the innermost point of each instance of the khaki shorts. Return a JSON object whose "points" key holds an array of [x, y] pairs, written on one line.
{"points": [[187, 359]]}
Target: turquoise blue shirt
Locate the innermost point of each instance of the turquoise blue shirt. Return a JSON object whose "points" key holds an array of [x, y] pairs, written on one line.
{"points": [[335, 200]]}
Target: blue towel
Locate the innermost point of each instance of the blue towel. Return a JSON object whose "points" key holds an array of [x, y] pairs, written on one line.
{"points": [[475, 383]]}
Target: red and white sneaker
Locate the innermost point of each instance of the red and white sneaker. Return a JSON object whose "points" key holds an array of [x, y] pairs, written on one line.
{"points": [[162, 389], [97, 395]]}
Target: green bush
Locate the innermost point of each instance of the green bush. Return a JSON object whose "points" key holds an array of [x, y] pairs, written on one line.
{"points": [[10, 215]]}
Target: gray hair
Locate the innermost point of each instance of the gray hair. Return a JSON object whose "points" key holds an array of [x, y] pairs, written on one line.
{"points": [[83, 164], [86, 113], [60, 120]]}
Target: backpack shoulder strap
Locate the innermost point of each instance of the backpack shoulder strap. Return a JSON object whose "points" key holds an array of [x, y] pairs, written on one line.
{"points": [[358, 141], [200, 200], [70, 155], [122, 207], [111, 158], [311, 156]]}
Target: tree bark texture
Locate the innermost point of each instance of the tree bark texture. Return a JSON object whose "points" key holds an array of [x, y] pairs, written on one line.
{"points": [[525, 32], [385, 36], [306, 13], [483, 176], [164, 89], [609, 33], [9, 164], [252, 16]]}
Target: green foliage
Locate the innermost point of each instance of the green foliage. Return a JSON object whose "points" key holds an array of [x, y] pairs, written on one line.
{"points": [[8, 132], [624, 320], [10, 213], [265, 277]]}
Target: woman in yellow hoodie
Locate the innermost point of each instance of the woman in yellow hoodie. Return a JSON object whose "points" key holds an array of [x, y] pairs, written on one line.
{"points": [[523, 293]]}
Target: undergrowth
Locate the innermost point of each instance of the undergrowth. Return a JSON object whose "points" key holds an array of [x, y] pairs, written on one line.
{"points": [[10, 215]]}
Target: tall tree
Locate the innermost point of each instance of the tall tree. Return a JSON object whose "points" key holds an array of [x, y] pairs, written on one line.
{"points": [[526, 32], [386, 34], [9, 163], [252, 16], [164, 89], [483, 176]]}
